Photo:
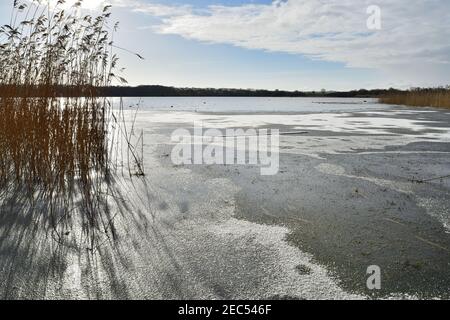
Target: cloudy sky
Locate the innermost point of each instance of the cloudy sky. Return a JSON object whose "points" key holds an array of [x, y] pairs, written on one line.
{"points": [[282, 44]]}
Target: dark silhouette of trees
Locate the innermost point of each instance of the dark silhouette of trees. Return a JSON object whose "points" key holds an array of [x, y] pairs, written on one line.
{"points": [[163, 91]]}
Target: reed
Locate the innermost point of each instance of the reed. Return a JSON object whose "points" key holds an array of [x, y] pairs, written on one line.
{"points": [[422, 97], [50, 143]]}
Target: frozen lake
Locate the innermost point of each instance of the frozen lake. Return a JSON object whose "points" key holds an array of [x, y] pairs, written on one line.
{"points": [[252, 105], [344, 199]]}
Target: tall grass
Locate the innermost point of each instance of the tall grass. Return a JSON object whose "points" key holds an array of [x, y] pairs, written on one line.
{"points": [[431, 97], [50, 143]]}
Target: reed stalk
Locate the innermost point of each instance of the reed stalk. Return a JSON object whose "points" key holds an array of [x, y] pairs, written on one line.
{"points": [[47, 142]]}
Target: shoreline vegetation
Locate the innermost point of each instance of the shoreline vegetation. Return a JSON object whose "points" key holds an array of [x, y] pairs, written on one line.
{"points": [[58, 156], [419, 97]]}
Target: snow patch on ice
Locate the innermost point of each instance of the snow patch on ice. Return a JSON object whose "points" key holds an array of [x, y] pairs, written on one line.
{"points": [[436, 209]]}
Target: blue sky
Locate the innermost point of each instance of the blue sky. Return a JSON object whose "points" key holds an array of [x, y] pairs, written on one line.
{"points": [[289, 44]]}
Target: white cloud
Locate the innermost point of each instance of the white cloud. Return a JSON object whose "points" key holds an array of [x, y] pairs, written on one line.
{"points": [[414, 32], [153, 9]]}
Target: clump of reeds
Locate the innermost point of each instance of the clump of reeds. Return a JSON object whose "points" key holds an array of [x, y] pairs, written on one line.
{"points": [[56, 144], [419, 97]]}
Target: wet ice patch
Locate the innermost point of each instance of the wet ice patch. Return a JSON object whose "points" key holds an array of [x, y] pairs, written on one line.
{"points": [[331, 169]]}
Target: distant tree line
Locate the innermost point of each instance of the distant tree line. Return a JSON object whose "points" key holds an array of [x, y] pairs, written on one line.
{"points": [[163, 91]]}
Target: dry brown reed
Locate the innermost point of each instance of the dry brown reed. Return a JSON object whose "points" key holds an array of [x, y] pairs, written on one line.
{"points": [[56, 144], [430, 97]]}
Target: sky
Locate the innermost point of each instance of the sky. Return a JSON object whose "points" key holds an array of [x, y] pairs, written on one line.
{"points": [[281, 44]]}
